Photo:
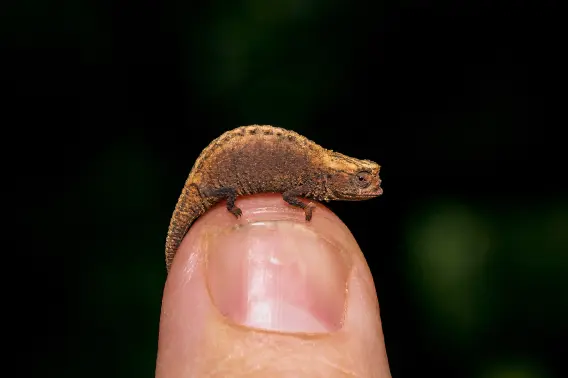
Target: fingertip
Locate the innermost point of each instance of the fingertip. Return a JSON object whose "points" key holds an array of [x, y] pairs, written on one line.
{"points": [[253, 287]]}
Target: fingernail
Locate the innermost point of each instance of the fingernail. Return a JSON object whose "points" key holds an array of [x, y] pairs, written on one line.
{"points": [[279, 276]]}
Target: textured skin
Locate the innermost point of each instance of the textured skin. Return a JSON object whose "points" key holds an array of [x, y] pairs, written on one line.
{"points": [[264, 159]]}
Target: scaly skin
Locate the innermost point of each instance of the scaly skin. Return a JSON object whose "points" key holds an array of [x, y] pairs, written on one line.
{"points": [[266, 159]]}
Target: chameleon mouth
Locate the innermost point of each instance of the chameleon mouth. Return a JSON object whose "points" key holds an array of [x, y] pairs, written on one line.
{"points": [[376, 193], [361, 196]]}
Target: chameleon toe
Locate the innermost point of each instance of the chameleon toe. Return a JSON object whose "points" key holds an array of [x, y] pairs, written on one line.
{"points": [[308, 211], [237, 212]]}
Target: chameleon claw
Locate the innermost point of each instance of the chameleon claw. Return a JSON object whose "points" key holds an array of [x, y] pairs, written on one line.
{"points": [[308, 211], [236, 212]]}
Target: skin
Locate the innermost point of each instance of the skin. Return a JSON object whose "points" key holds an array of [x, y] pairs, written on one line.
{"points": [[195, 340], [266, 159]]}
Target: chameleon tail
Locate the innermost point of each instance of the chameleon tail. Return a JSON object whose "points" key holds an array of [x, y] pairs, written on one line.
{"points": [[182, 218]]}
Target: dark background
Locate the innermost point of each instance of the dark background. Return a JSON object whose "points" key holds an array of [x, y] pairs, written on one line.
{"points": [[108, 103]]}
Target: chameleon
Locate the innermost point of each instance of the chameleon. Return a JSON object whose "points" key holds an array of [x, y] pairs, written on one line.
{"points": [[266, 159]]}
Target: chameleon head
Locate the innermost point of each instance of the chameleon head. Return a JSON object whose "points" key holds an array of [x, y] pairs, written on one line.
{"points": [[353, 179]]}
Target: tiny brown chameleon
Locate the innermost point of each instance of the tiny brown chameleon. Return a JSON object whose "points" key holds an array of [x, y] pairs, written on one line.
{"points": [[266, 159]]}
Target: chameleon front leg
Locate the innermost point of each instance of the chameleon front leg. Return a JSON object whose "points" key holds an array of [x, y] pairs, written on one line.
{"points": [[291, 196], [229, 194]]}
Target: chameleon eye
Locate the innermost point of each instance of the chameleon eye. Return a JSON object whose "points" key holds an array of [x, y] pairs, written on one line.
{"points": [[363, 179]]}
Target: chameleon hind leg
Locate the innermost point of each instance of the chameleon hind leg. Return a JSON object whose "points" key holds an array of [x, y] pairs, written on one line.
{"points": [[230, 194]]}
